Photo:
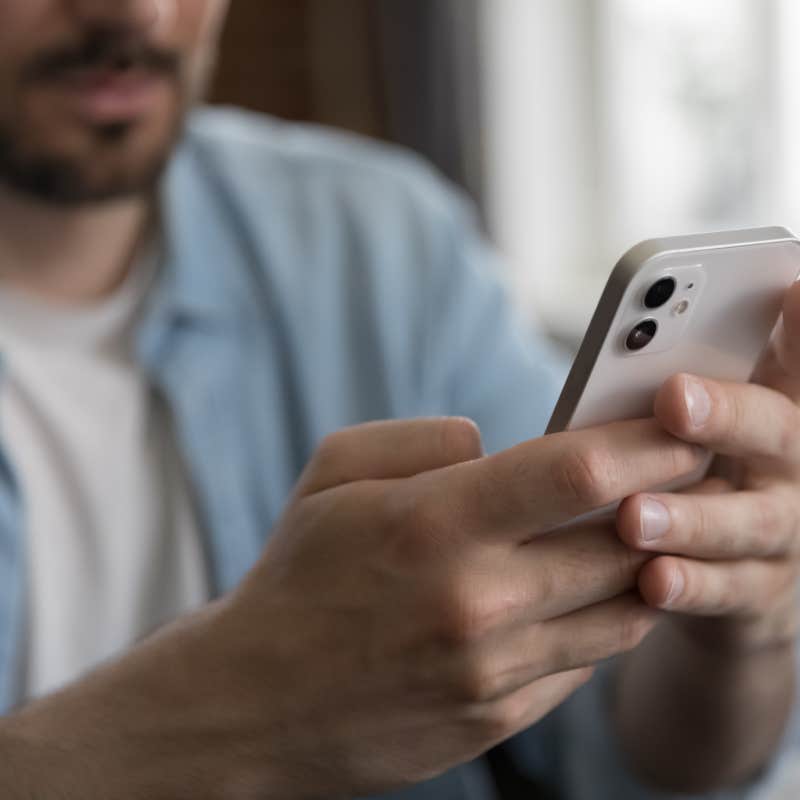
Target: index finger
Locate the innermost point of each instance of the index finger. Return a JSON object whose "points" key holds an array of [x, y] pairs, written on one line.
{"points": [[540, 484]]}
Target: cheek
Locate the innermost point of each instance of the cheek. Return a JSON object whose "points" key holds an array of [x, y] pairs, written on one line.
{"points": [[195, 22], [197, 25], [13, 56], [17, 16], [23, 24]]}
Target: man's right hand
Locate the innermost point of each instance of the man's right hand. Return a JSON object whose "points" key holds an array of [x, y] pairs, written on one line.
{"points": [[408, 613]]}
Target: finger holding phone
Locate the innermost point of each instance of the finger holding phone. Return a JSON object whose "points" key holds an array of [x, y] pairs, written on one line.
{"points": [[433, 574], [733, 544], [412, 609], [704, 702], [730, 567], [437, 616], [418, 602]]}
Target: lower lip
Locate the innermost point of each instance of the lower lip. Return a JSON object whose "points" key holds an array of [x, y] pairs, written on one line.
{"points": [[112, 97]]}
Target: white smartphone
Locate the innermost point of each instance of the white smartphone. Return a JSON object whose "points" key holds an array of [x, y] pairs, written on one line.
{"points": [[705, 304]]}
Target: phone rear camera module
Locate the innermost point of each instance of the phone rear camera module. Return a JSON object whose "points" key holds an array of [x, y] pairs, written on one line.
{"points": [[641, 335], [660, 293]]}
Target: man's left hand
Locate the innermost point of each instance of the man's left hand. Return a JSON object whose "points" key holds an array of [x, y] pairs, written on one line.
{"points": [[729, 549]]}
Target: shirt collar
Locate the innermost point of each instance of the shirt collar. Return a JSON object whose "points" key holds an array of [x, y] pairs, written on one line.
{"points": [[202, 276], [204, 266]]}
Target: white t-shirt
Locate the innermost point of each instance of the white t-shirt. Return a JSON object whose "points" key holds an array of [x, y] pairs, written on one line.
{"points": [[112, 541]]}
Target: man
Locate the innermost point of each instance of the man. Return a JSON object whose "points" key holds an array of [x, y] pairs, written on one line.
{"points": [[359, 609]]}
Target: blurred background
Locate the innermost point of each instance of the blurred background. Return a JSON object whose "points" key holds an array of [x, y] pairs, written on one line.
{"points": [[579, 127]]}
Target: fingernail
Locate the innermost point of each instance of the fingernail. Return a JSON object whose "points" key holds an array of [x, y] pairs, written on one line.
{"points": [[654, 519], [676, 590], [698, 402]]}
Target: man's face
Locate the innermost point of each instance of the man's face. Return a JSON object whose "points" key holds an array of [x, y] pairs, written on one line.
{"points": [[93, 92]]}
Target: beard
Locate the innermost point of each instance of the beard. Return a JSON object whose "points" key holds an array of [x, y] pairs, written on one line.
{"points": [[51, 154], [112, 170]]}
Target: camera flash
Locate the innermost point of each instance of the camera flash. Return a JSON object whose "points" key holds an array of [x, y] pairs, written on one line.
{"points": [[681, 308]]}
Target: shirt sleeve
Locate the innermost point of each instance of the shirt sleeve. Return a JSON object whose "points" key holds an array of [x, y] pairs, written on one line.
{"points": [[483, 361]]}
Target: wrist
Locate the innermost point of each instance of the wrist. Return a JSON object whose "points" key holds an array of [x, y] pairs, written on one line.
{"points": [[693, 708], [727, 637], [151, 726]]}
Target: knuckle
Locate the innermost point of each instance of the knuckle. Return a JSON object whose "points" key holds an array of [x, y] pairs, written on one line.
{"points": [[477, 681], [585, 475], [459, 440], [465, 618]]}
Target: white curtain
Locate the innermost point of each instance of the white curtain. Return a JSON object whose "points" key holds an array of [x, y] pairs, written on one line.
{"points": [[610, 121]]}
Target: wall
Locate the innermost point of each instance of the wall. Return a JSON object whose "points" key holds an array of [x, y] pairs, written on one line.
{"points": [[303, 59]]}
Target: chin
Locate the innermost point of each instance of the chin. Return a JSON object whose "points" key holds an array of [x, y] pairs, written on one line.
{"points": [[85, 164], [126, 160]]}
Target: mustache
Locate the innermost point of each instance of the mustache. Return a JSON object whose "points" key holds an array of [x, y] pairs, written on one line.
{"points": [[104, 49]]}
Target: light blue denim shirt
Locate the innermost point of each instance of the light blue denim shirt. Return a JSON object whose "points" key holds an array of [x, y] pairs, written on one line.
{"points": [[313, 281]]}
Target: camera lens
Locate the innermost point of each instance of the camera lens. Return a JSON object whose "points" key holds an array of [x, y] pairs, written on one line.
{"points": [[641, 335], [660, 292]]}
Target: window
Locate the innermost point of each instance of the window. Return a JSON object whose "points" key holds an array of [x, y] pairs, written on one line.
{"points": [[611, 121]]}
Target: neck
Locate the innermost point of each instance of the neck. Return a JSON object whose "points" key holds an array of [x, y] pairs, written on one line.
{"points": [[68, 255]]}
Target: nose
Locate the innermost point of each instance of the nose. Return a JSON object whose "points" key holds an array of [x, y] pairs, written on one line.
{"points": [[131, 15]]}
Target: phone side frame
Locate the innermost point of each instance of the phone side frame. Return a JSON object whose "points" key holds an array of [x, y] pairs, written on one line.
{"points": [[591, 346], [624, 272]]}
